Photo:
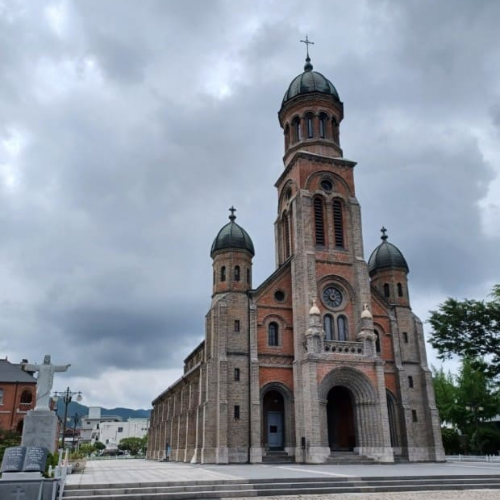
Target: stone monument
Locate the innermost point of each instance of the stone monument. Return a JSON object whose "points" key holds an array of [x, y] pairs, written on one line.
{"points": [[40, 424]]}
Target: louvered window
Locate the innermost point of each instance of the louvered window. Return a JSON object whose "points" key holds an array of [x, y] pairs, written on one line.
{"points": [[319, 224], [286, 224], [338, 223]]}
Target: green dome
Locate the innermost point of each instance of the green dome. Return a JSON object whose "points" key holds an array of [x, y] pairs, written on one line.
{"points": [[308, 82], [386, 256], [232, 237]]}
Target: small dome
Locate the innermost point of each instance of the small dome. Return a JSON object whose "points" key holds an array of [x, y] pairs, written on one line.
{"points": [[310, 81], [386, 256], [232, 237]]}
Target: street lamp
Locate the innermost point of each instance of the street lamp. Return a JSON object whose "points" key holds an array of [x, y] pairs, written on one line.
{"points": [[75, 418], [66, 396]]}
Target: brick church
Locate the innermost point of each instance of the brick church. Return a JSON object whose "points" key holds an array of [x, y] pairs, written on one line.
{"points": [[325, 356]]}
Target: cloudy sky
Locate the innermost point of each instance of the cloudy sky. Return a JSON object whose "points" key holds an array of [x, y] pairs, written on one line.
{"points": [[128, 128]]}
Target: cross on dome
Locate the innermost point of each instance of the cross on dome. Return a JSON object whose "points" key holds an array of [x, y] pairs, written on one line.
{"points": [[308, 66], [307, 42], [232, 216], [383, 231]]}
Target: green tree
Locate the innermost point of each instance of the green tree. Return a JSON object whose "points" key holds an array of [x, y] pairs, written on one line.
{"points": [[133, 444], [99, 446], [7, 440], [446, 395], [477, 401], [469, 329], [466, 402]]}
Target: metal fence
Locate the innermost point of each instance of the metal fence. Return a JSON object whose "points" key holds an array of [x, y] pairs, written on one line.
{"points": [[473, 458]]}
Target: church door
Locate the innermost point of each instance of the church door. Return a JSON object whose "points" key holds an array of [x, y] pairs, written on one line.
{"points": [[340, 418], [274, 418], [275, 429]]}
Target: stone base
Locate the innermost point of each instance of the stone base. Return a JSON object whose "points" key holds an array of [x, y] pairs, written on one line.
{"points": [[256, 455], [317, 454], [379, 453], [43, 489], [40, 429], [214, 455]]}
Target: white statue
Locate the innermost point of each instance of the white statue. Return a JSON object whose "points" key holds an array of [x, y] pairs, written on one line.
{"points": [[44, 381]]}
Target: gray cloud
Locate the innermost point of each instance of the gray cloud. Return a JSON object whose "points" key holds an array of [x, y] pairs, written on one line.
{"points": [[141, 126]]}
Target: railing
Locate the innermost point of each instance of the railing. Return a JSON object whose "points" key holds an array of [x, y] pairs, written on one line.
{"points": [[344, 347], [473, 458]]}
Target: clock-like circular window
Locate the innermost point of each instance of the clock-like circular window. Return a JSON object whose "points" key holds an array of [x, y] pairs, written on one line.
{"points": [[332, 296]]}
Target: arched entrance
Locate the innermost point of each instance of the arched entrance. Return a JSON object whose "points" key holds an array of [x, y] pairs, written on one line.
{"points": [[340, 418], [393, 419], [274, 420]]}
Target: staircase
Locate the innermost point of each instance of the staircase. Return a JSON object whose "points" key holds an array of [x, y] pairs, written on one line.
{"points": [[277, 457], [275, 487], [348, 458]]}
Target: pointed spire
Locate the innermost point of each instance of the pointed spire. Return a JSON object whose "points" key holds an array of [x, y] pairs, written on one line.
{"points": [[232, 216], [383, 231]]}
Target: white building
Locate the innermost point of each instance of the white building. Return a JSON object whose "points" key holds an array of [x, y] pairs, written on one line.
{"points": [[91, 423], [111, 433]]}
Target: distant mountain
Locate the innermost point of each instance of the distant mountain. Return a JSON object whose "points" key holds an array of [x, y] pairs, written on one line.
{"points": [[77, 408]]}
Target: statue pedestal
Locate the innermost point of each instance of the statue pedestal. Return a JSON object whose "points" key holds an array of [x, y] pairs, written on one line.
{"points": [[40, 429]]}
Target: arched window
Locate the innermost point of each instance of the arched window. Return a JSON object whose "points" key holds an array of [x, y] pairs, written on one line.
{"points": [[223, 273], [26, 397], [335, 130], [328, 325], [387, 291], [310, 130], [400, 290], [287, 137], [338, 223], [322, 126], [236, 273], [405, 337], [342, 327], [377, 341], [248, 276], [319, 224], [296, 130], [272, 334]]}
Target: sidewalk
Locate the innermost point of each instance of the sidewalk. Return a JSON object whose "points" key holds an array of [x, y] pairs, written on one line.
{"points": [[144, 471]]}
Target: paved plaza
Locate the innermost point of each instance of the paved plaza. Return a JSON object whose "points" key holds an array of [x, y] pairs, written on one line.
{"points": [[120, 471]]}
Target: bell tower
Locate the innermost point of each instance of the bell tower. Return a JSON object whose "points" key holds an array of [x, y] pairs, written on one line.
{"points": [[318, 229]]}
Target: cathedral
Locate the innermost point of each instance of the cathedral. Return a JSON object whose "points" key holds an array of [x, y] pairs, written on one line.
{"points": [[325, 358]]}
